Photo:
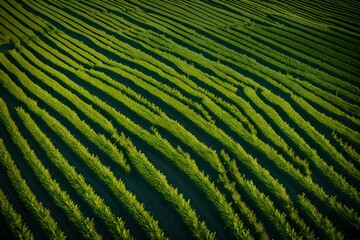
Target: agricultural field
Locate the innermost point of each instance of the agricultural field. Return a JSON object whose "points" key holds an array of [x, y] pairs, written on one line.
{"points": [[191, 119]]}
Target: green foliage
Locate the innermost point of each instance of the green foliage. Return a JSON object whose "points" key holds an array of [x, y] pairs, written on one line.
{"points": [[39, 212], [115, 225], [275, 85], [61, 198], [13, 219], [330, 232]]}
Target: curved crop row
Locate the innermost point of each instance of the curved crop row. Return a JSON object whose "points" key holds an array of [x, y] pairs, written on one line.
{"points": [[238, 119]]}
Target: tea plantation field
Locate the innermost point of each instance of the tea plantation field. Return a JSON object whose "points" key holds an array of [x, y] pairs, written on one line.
{"points": [[191, 119]]}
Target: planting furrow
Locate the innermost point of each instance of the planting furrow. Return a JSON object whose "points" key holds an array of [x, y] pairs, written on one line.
{"points": [[301, 53], [60, 197], [149, 173], [218, 119], [146, 222], [311, 154], [115, 224], [13, 9], [264, 203], [323, 142], [269, 75], [300, 27], [40, 213], [328, 231], [99, 140], [154, 119], [330, 83], [13, 219]]}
